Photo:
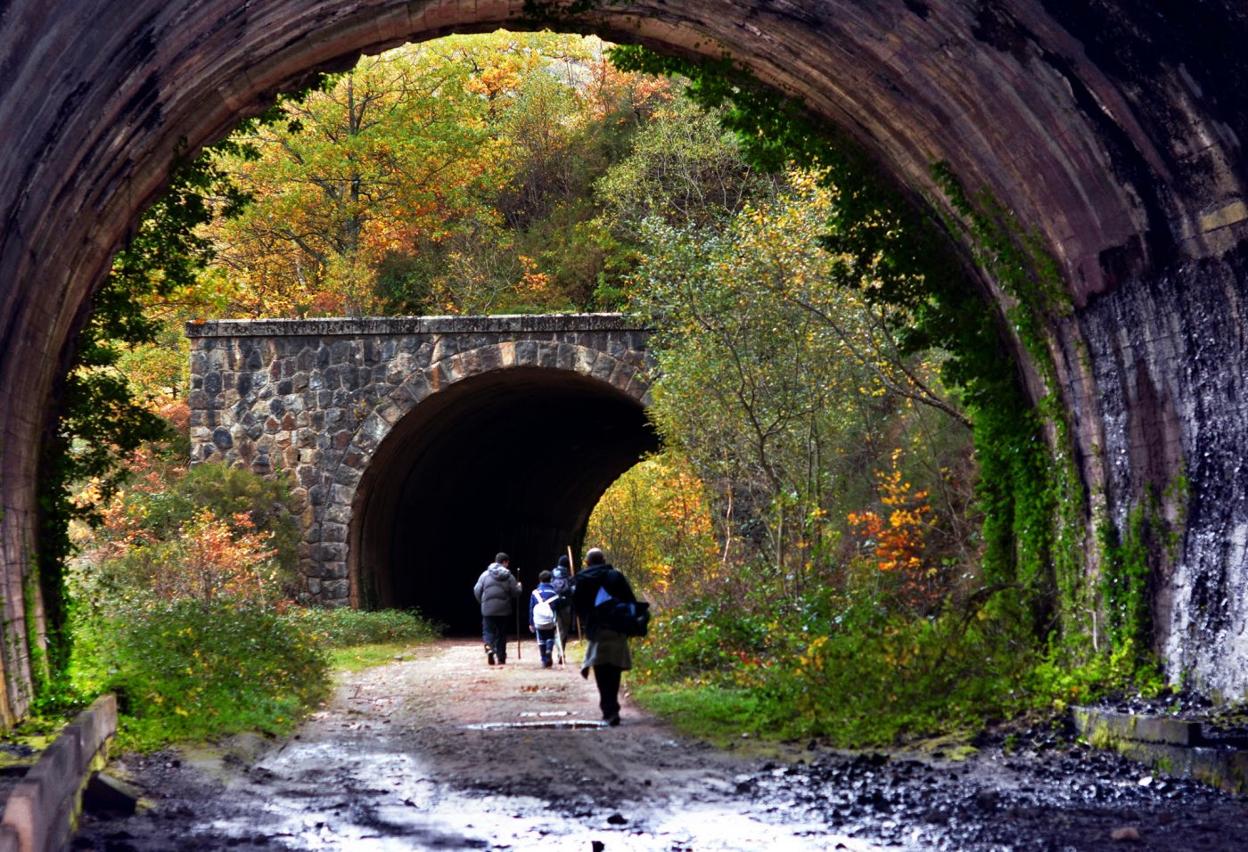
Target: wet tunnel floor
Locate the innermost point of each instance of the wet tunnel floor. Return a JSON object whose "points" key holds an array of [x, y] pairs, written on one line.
{"points": [[438, 751]]}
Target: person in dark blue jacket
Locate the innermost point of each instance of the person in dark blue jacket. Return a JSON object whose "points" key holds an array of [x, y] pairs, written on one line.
{"points": [[607, 654], [542, 616], [561, 582]]}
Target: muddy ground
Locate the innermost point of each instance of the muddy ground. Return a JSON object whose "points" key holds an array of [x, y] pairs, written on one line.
{"points": [[438, 751]]}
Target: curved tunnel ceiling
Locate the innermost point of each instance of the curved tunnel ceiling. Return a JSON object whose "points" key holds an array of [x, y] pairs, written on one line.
{"points": [[1113, 136], [512, 460]]}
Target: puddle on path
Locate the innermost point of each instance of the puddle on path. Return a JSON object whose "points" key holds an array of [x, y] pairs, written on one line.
{"points": [[319, 796], [550, 723]]}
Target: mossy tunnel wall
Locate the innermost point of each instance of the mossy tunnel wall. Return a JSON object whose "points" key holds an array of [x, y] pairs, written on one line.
{"points": [[1112, 131], [419, 447]]}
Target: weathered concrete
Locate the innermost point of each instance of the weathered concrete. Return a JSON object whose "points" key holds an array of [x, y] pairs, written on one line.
{"points": [[42, 810], [378, 423], [1111, 128], [1169, 746]]}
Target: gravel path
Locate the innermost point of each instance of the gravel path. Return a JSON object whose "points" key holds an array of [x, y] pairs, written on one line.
{"points": [[438, 751]]}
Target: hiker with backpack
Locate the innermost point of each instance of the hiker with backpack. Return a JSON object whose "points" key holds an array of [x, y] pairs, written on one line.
{"points": [[600, 594], [495, 590], [561, 582], [542, 617]]}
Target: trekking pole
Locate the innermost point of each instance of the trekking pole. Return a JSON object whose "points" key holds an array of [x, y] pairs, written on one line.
{"points": [[518, 642], [572, 569]]}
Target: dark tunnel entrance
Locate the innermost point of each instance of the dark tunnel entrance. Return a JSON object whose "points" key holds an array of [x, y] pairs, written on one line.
{"points": [[511, 460]]}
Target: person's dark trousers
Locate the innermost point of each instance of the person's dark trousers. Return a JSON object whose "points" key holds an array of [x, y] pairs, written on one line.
{"points": [[546, 642], [494, 632], [608, 680]]}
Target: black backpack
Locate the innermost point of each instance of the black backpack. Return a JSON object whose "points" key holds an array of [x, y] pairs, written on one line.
{"points": [[597, 605], [562, 584], [632, 618]]}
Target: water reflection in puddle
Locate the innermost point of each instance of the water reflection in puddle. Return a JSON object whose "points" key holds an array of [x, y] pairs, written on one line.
{"points": [[314, 797], [549, 723]]}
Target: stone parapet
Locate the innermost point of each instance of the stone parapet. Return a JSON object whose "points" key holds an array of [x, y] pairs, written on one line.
{"points": [[42, 810], [352, 326]]}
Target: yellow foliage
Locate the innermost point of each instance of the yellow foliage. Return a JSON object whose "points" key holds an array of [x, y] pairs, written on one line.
{"points": [[655, 524]]}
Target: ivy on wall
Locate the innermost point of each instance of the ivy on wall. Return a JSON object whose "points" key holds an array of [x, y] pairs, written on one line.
{"points": [[1029, 490]]}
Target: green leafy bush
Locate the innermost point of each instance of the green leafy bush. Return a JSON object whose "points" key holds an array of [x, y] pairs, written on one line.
{"points": [[879, 677], [708, 641], [340, 627], [196, 669], [851, 670], [228, 492]]}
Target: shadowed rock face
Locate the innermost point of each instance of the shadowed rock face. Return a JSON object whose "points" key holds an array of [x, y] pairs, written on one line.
{"points": [[1112, 129]]}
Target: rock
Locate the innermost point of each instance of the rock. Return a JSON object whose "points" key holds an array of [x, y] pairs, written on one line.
{"points": [[1128, 833], [106, 795], [597, 845], [987, 800], [617, 819]]}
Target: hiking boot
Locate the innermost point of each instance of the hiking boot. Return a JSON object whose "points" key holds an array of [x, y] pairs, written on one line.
{"points": [[489, 655], [613, 720]]}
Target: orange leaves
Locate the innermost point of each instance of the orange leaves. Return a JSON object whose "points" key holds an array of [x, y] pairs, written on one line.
{"points": [[220, 559], [625, 94], [898, 536], [495, 81], [534, 285], [209, 534]]}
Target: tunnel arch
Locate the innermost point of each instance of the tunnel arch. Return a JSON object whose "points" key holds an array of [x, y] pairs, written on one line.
{"points": [[484, 452], [391, 431], [1114, 137]]}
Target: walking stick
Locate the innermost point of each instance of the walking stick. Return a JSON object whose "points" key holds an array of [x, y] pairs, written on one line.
{"points": [[572, 569], [518, 642]]}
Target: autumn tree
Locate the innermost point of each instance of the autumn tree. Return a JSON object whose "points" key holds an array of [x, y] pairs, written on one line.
{"points": [[655, 519], [441, 177], [773, 379]]}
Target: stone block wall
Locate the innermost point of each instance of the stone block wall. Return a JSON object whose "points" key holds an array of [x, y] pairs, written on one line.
{"points": [[316, 398]]}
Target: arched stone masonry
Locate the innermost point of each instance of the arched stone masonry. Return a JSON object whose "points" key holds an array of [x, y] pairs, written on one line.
{"points": [[316, 398], [1112, 131]]}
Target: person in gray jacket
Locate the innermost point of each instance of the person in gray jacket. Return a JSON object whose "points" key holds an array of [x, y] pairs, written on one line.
{"points": [[495, 590]]}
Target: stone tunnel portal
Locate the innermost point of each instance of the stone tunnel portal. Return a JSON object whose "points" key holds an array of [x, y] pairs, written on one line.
{"points": [[418, 447], [513, 460], [1114, 137]]}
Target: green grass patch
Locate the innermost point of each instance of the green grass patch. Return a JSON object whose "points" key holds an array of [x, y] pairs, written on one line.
{"points": [[340, 627], [356, 658], [716, 714]]}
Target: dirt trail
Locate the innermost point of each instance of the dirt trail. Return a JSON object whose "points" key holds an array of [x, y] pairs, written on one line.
{"points": [[439, 751]]}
